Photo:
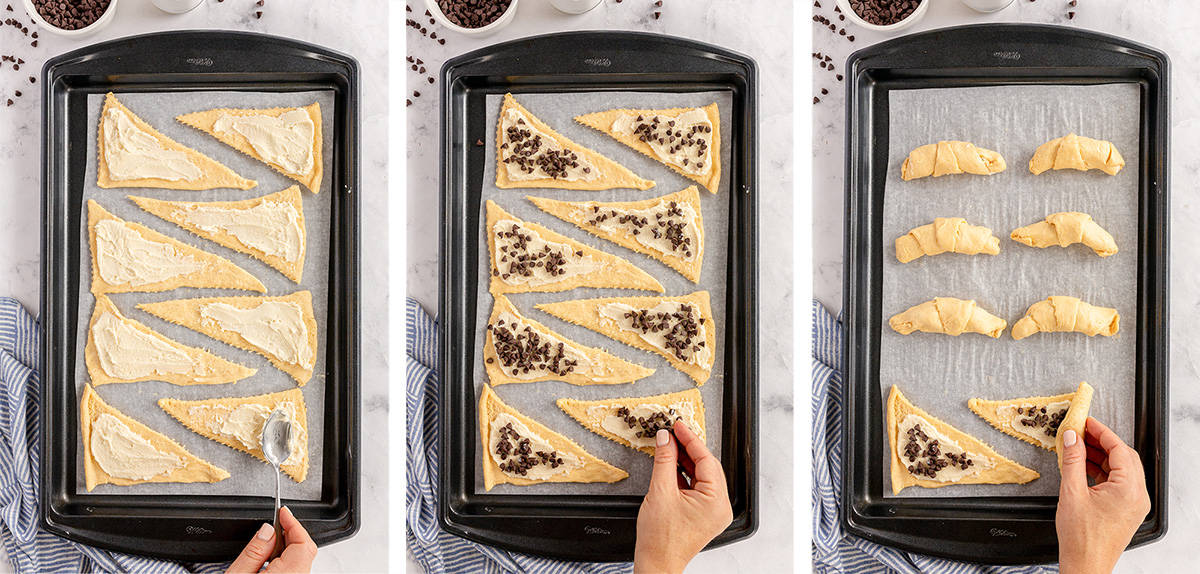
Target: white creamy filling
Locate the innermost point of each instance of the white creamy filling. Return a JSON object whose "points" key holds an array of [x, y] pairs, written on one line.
{"points": [[583, 365], [950, 473], [123, 453], [1037, 433], [270, 227], [536, 444], [546, 262], [245, 424], [698, 354], [133, 153], [126, 352], [691, 158], [660, 228], [616, 424], [580, 168], [276, 327], [126, 258], [286, 140]]}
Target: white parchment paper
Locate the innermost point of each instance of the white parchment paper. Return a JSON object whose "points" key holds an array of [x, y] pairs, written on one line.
{"points": [[248, 475], [537, 400], [940, 373]]}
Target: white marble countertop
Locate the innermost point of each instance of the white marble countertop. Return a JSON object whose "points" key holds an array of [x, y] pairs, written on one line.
{"points": [[726, 24], [350, 26], [1169, 26]]}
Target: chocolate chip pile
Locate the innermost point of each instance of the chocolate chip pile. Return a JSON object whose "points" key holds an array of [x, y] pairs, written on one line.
{"points": [[513, 246], [1037, 417], [473, 13], [527, 151], [649, 425], [517, 453], [72, 14], [680, 330], [665, 133], [669, 223], [929, 460], [522, 350], [884, 12]]}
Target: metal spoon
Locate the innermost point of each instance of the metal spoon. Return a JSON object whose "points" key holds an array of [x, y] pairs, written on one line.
{"points": [[276, 437]]}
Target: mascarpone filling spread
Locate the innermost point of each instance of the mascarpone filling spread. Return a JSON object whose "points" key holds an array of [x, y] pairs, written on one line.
{"points": [[930, 455], [1035, 422], [126, 352], [270, 227], [684, 140], [527, 353], [675, 328], [133, 153], [123, 453], [640, 424], [126, 258], [668, 228], [529, 153], [285, 140], [521, 453], [245, 423], [524, 258], [276, 327]]}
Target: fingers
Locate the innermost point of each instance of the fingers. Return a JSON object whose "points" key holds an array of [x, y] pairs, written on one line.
{"points": [[1096, 473], [255, 553], [666, 454], [1074, 464], [708, 470], [293, 531], [300, 551]]}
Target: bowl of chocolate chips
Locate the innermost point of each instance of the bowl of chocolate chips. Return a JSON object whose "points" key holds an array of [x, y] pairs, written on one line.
{"points": [[884, 15], [71, 17], [473, 17]]}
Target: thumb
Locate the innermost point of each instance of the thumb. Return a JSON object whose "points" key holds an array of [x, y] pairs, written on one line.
{"points": [[1074, 464], [666, 455]]}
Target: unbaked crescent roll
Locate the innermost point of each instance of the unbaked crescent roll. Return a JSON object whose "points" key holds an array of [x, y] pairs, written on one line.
{"points": [[1067, 314], [1067, 228], [1076, 152], [946, 235], [950, 157], [950, 316]]}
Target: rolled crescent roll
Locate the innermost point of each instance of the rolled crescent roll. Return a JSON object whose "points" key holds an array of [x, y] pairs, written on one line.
{"points": [[950, 316], [946, 235], [1067, 228], [950, 157], [1077, 152], [1067, 314]]}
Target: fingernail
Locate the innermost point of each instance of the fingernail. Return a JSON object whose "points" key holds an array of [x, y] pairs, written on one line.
{"points": [[265, 532], [1069, 438], [662, 438]]}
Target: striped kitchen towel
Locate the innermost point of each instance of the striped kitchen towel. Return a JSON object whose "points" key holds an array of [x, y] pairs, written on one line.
{"points": [[435, 549], [30, 548], [834, 550]]}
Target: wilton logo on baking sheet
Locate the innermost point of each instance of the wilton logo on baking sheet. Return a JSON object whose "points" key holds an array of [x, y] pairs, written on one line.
{"points": [[206, 62], [197, 530], [1010, 55], [598, 62], [1002, 532], [596, 530]]}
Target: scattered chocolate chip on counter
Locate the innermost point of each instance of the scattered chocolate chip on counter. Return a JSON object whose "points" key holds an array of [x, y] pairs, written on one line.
{"points": [[478, 143], [884, 12], [70, 15], [473, 13]]}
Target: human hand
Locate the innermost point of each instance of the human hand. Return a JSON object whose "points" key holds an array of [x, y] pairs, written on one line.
{"points": [[297, 555], [676, 519], [1096, 523]]}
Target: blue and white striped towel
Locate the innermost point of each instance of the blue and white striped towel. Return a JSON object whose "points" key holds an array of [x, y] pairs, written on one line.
{"points": [[435, 549], [834, 550], [30, 548]]}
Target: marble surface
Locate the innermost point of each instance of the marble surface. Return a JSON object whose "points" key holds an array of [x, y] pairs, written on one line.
{"points": [[350, 26], [1168, 26], [728, 24]]}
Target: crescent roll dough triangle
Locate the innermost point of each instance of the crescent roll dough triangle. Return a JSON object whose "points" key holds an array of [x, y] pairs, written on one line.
{"points": [[581, 266], [196, 268], [949, 316], [950, 157], [212, 175], [250, 220], [602, 173], [191, 467], [1059, 313], [588, 313], [190, 313], [663, 220], [590, 469], [1076, 418], [1001, 470], [605, 369], [206, 417], [206, 368], [206, 120], [1067, 228], [591, 414], [1078, 153], [946, 235], [1023, 418], [709, 177]]}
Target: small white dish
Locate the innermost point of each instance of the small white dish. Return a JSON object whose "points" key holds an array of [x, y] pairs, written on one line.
{"points": [[441, 18], [909, 21], [45, 26], [987, 6]]}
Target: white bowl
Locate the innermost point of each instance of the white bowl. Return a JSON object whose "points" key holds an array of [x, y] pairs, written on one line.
{"points": [[45, 26], [500, 22], [909, 21]]}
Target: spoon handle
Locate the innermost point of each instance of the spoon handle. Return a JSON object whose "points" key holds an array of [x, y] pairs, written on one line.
{"points": [[279, 543]]}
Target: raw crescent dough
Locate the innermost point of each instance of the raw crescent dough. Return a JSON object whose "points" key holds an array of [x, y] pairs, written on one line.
{"points": [[950, 157], [1067, 228], [1059, 313], [603, 121], [949, 316], [1078, 153], [946, 235], [990, 412], [1076, 417], [578, 410]]}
